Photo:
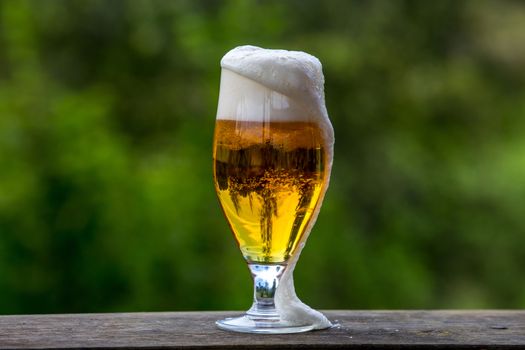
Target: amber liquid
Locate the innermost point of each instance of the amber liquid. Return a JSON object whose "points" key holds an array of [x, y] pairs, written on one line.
{"points": [[268, 177]]}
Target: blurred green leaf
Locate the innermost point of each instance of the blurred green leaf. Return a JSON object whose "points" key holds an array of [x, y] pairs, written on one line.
{"points": [[106, 124]]}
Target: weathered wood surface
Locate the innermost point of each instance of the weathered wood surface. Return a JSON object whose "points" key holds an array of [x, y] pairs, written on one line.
{"points": [[196, 330]]}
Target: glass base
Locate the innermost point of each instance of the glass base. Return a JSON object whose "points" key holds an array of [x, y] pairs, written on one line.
{"points": [[246, 324], [263, 316]]}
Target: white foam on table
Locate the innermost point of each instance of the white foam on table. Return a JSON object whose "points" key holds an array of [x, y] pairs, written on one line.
{"points": [[279, 85]]}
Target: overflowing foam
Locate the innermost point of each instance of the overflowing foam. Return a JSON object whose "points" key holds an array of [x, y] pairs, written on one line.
{"points": [[278, 85], [260, 84]]}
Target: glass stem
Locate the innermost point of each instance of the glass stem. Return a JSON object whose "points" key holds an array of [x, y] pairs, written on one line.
{"points": [[265, 279]]}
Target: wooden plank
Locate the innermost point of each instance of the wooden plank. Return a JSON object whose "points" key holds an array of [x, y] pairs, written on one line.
{"points": [[196, 330]]}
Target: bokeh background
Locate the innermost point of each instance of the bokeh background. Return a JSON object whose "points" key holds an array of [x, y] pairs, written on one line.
{"points": [[107, 111]]}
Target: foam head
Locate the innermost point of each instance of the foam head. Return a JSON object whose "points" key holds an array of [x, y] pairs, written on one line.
{"points": [[243, 99], [271, 85]]}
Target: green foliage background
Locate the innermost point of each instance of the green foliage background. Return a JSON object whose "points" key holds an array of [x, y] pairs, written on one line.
{"points": [[107, 111]]}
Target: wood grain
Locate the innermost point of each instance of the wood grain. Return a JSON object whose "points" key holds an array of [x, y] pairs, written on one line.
{"points": [[196, 330]]}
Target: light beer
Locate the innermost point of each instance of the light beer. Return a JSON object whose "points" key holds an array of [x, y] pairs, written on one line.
{"points": [[272, 156], [269, 177]]}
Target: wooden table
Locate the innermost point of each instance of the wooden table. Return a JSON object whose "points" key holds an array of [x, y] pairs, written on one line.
{"points": [[196, 330]]}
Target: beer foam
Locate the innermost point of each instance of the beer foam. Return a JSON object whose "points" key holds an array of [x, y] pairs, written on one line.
{"points": [[271, 85], [242, 99], [278, 85]]}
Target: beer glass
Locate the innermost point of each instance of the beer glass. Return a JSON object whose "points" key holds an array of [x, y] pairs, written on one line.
{"points": [[271, 164]]}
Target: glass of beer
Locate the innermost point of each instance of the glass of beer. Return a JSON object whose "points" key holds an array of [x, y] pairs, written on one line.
{"points": [[271, 161]]}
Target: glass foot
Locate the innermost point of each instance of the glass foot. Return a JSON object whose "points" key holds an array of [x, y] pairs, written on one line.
{"points": [[263, 316], [247, 324]]}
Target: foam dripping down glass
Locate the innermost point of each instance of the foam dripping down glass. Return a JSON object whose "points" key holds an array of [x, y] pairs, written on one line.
{"points": [[272, 153]]}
